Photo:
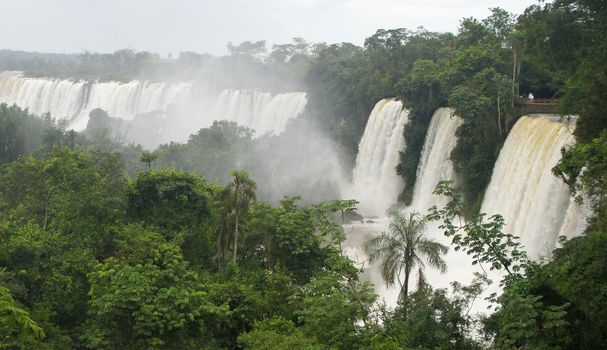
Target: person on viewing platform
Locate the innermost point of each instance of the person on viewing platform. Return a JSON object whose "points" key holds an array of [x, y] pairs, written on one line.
{"points": [[530, 97]]}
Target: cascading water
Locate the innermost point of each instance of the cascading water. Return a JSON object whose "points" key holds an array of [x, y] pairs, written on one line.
{"points": [[126, 100], [576, 217], [435, 164], [260, 111], [64, 99], [74, 100], [375, 182], [536, 205]]}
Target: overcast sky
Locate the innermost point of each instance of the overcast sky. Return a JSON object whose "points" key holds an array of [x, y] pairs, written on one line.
{"points": [[206, 26]]}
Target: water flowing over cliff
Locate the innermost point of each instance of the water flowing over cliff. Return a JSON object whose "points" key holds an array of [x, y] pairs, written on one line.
{"points": [[536, 205], [73, 100], [259, 110], [375, 182], [435, 164]]}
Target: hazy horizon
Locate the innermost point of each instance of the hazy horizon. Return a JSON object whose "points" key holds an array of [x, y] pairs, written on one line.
{"points": [[162, 26]]}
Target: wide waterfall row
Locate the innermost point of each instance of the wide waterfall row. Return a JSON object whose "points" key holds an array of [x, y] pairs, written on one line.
{"points": [[536, 205], [64, 99], [375, 182], [73, 101]]}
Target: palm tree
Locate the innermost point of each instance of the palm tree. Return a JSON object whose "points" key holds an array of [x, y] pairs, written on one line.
{"points": [[403, 247], [236, 198]]}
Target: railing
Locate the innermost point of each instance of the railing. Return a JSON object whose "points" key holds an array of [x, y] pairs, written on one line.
{"points": [[537, 101], [538, 105]]}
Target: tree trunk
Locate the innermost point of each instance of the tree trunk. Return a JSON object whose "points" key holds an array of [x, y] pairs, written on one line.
{"points": [[220, 247], [513, 77], [236, 214], [47, 204], [404, 291], [499, 111], [235, 237]]}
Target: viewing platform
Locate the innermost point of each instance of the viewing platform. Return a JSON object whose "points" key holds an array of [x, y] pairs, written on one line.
{"points": [[538, 105]]}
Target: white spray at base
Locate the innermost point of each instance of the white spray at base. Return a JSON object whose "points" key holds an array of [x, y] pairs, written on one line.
{"points": [[535, 204]]}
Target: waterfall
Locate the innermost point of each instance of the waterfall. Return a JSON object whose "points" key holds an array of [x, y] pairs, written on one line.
{"points": [[435, 164], [536, 205], [260, 111], [74, 100], [375, 182], [63, 99], [126, 100], [576, 217]]}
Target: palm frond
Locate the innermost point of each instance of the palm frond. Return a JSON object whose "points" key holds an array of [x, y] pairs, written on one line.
{"points": [[422, 282], [432, 252], [403, 247]]}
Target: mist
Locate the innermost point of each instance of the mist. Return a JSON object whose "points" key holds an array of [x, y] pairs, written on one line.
{"points": [[300, 161]]}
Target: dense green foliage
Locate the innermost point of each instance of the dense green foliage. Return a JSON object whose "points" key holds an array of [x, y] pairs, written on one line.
{"points": [[95, 259], [558, 304], [16, 326], [22, 133], [432, 319], [211, 152]]}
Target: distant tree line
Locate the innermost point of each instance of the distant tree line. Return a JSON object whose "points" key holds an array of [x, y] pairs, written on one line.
{"points": [[247, 65]]}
